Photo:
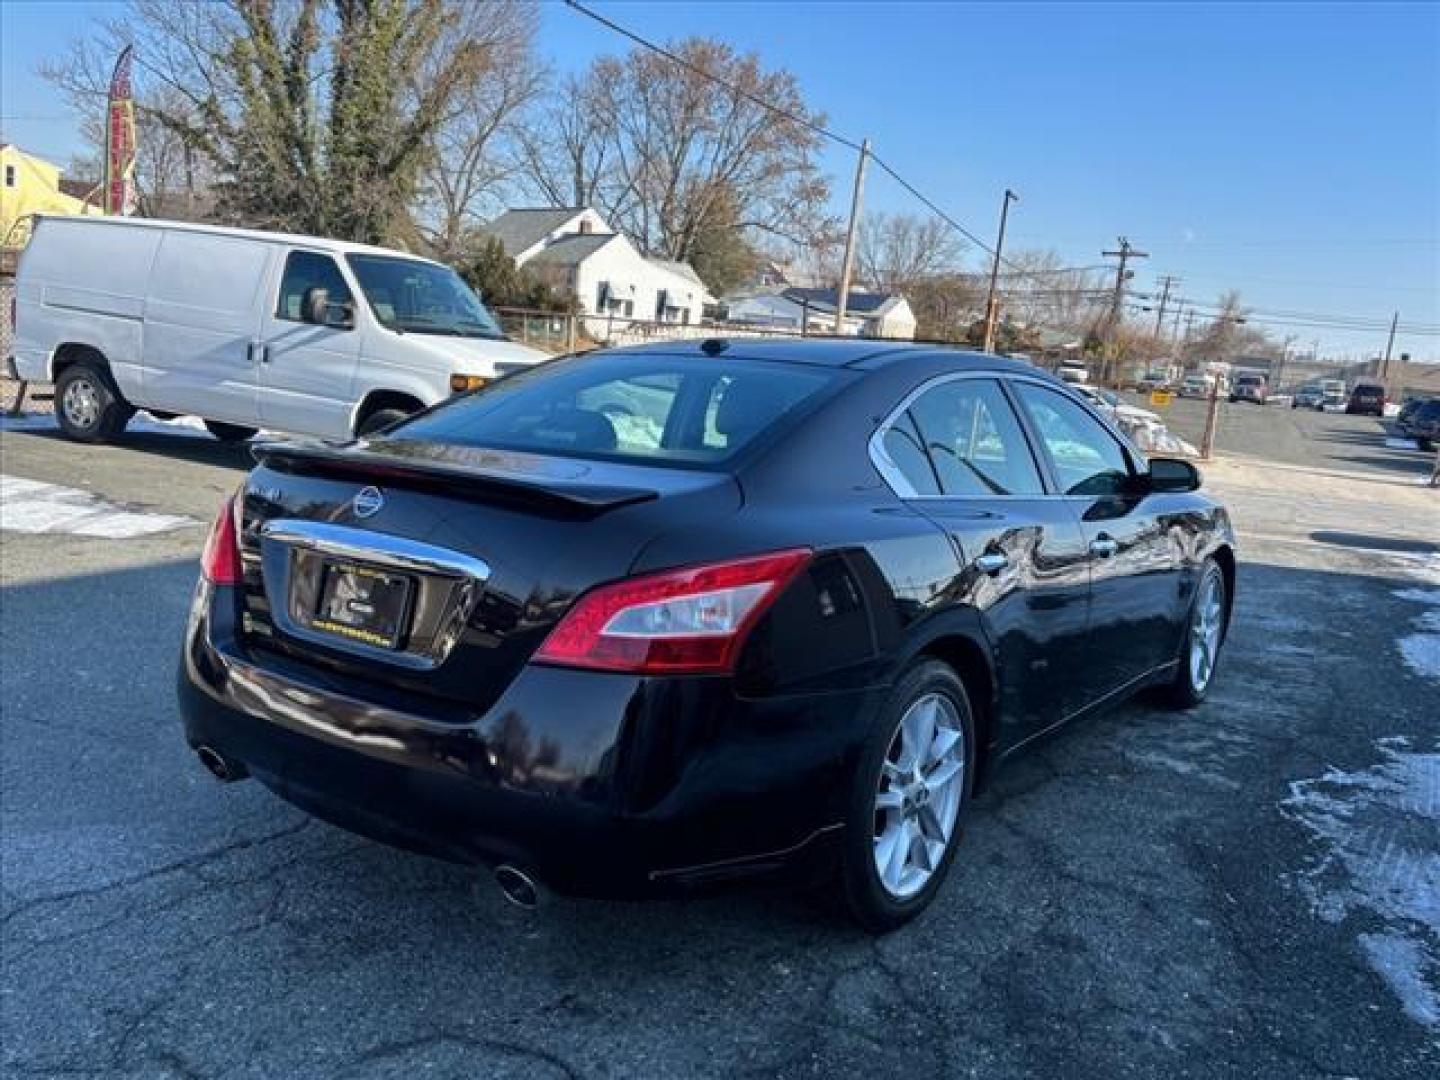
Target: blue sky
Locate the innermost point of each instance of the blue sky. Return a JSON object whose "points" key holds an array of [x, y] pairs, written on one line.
{"points": [[1289, 150]]}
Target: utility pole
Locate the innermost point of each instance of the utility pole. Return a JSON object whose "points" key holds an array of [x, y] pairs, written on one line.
{"points": [[1389, 345], [991, 304], [1125, 254], [1166, 282], [843, 294]]}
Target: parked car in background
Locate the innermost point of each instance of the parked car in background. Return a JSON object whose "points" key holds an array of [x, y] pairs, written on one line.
{"points": [[1073, 373], [244, 329], [1197, 386], [1152, 380], [1310, 396], [1366, 399], [654, 617], [1420, 420], [1334, 394], [1253, 388]]}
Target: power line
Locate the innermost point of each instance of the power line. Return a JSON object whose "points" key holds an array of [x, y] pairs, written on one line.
{"points": [[797, 118]]}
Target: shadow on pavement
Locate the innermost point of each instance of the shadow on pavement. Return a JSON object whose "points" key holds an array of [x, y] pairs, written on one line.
{"points": [[1114, 909], [199, 449]]}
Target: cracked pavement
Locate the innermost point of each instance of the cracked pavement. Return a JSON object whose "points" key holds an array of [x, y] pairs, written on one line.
{"points": [[1132, 899]]}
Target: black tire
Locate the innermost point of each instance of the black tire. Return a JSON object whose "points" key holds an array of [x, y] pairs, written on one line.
{"points": [[379, 420], [870, 903], [88, 405], [229, 433], [1187, 690]]}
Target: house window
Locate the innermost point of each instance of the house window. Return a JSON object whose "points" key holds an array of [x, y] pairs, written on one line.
{"points": [[586, 226], [9, 175]]}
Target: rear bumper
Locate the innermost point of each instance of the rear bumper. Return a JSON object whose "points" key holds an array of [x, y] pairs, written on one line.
{"points": [[598, 784]]}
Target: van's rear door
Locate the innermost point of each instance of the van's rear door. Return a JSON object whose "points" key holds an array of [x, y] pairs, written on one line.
{"points": [[201, 318]]}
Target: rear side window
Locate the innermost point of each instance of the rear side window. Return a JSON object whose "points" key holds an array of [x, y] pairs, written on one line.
{"points": [[960, 439], [306, 270], [649, 410]]}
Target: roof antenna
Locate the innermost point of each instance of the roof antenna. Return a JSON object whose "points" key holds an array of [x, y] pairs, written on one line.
{"points": [[714, 346]]}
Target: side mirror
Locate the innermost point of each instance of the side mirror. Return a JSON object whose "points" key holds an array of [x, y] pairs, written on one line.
{"points": [[1173, 474], [315, 306]]}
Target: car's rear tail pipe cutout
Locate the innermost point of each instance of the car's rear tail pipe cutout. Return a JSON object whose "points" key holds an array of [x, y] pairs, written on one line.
{"points": [[221, 767], [519, 887]]}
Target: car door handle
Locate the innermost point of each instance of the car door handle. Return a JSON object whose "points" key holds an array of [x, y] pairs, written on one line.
{"points": [[259, 352], [1104, 547], [992, 562]]}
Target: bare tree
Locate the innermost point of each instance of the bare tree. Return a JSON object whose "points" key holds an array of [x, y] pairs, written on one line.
{"points": [[663, 149], [477, 151], [316, 115], [1038, 290], [896, 251]]}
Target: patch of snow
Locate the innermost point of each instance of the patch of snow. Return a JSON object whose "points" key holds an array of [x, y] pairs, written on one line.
{"points": [[1379, 834], [32, 506], [1394, 443]]}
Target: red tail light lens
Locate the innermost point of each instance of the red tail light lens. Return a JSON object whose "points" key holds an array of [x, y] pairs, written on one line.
{"points": [[690, 621], [220, 562]]}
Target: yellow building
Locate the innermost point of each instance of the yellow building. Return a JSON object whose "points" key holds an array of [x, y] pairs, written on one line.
{"points": [[31, 185]]}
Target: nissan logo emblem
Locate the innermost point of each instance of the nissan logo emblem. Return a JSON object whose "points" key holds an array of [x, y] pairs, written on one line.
{"points": [[367, 502]]}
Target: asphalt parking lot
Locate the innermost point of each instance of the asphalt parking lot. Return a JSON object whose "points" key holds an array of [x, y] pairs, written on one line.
{"points": [[1246, 890]]}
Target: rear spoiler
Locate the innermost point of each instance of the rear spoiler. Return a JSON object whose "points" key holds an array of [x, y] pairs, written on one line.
{"points": [[478, 480]]}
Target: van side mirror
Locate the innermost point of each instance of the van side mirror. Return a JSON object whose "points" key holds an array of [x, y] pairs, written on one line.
{"points": [[315, 306], [1173, 474], [318, 309]]}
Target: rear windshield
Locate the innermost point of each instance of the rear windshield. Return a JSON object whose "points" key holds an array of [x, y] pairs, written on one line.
{"points": [[651, 410], [1368, 391]]}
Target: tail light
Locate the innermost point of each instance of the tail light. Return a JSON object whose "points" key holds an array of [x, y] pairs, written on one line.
{"points": [[691, 621], [220, 562]]}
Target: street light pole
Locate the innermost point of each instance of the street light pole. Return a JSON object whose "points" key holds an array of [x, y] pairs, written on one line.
{"points": [[991, 305]]}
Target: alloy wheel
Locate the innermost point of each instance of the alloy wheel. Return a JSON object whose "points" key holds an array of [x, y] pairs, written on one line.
{"points": [[1205, 625], [918, 795], [81, 403]]}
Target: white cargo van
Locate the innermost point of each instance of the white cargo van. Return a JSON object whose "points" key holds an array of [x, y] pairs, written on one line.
{"points": [[244, 329]]}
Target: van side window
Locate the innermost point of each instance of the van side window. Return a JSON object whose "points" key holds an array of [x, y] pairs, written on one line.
{"points": [[309, 270]]}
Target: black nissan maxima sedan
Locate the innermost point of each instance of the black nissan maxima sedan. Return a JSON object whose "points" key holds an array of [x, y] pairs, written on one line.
{"points": [[657, 617]]}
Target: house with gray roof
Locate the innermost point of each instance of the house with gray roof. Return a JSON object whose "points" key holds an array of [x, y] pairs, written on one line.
{"points": [[573, 249]]}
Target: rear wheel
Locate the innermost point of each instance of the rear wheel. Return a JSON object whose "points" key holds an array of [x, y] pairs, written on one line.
{"points": [[88, 405], [1204, 635], [230, 433], [908, 799]]}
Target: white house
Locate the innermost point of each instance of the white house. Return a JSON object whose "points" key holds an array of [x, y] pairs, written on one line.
{"points": [[573, 249], [867, 314]]}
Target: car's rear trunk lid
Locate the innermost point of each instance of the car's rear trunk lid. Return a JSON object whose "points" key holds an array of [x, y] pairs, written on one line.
{"points": [[433, 570]]}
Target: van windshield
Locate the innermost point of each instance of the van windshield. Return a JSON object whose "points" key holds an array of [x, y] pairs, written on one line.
{"points": [[422, 298]]}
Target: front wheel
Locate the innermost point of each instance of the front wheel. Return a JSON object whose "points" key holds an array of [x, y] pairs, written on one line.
{"points": [[379, 420], [908, 798], [1204, 635], [88, 405]]}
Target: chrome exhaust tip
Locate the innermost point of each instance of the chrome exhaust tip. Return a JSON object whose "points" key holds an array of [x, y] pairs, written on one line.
{"points": [[518, 887], [221, 767]]}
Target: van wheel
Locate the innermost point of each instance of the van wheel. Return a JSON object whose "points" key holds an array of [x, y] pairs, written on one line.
{"points": [[379, 420], [88, 405], [231, 433], [909, 798]]}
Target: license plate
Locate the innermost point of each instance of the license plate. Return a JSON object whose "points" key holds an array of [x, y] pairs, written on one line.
{"points": [[363, 604]]}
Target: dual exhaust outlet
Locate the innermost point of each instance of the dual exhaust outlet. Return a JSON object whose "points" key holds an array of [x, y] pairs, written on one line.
{"points": [[516, 885]]}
